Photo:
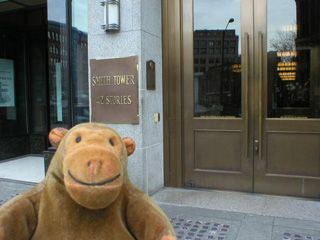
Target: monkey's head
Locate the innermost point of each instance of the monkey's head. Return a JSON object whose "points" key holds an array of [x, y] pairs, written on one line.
{"points": [[91, 159]]}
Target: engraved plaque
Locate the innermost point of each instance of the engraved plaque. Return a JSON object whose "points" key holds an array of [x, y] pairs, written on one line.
{"points": [[151, 75], [114, 90]]}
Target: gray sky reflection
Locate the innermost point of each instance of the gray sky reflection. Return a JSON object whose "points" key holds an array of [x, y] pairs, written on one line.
{"points": [[214, 14], [57, 9]]}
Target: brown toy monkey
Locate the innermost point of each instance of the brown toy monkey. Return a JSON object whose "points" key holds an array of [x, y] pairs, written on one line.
{"points": [[86, 194]]}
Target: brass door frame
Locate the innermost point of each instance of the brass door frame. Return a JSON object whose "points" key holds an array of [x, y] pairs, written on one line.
{"points": [[172, 90]]}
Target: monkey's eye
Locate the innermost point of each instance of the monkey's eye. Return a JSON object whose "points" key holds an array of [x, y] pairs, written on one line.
{"points": [[111, 142], [78, 139]]}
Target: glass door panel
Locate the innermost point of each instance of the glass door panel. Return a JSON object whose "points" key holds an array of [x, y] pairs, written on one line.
{"points": [[59, 66], [217, 58], [293, 60], [80, 61]]}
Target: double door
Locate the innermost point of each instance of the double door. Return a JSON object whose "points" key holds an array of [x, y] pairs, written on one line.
{"points": [[251, 96]]}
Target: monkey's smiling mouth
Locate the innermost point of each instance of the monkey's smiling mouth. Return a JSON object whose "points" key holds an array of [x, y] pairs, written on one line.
{"points": [[93, 184]]}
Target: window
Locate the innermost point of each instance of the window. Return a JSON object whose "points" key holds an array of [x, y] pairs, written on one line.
{"points": [[80, 75], [196, 51], [202, 61], [196, 61], [203, 43], [70, 33], [203, 51], [13, 114], [211, 51], [211, 43], [196, 43]]}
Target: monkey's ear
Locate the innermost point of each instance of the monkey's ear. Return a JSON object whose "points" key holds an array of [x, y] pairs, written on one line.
{"points": [[56, 135], [130, 145]]}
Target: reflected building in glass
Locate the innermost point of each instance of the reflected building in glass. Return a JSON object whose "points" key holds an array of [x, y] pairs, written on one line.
{"points": [[217, 73], [59, 56]]}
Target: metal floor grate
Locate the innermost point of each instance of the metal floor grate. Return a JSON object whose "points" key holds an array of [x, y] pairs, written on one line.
{"points": [[296, 236], [198, 230]]}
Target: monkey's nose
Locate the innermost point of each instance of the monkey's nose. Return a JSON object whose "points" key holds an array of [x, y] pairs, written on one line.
{"points": [[94, 167], [90, 162]]}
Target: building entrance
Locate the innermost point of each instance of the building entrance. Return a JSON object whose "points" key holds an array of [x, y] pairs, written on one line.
{"points": [[43, 72], [250, 96], [23, 79]]}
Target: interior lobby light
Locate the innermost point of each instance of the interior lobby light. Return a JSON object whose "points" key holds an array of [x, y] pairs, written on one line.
{"points": [[111, 15]]}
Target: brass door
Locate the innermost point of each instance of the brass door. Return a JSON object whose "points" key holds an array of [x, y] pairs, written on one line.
{"points": [[251, 111], [287, 75], [218, 126]]}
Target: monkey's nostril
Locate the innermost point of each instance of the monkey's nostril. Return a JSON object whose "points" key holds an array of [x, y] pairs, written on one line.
{"points": [[89, 163]]}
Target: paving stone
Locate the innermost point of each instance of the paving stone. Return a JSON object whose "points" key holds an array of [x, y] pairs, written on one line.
{"points": [[259, 219], [254, 231], [190, 211], [10, 189], [295, 223]]}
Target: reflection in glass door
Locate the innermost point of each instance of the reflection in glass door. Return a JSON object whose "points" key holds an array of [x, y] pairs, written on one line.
{"points": [[217, 59], [291, 43], [68, 62]]}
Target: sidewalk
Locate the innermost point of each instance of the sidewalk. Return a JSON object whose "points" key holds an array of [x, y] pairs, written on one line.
{"points": [[201, 214], [197, 214]]}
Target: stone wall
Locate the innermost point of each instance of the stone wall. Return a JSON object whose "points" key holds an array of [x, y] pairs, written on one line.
{"points": [[140, 35]]}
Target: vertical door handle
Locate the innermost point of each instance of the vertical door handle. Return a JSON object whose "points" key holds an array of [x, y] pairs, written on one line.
{"points": [[246, 100], [256, 147], [260, 52]]}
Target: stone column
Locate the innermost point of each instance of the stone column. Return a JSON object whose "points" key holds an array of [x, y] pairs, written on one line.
{"points": [[140, 35]]}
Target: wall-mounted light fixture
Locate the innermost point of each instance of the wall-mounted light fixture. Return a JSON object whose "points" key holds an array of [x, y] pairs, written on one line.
{"points": [[111, 15]]}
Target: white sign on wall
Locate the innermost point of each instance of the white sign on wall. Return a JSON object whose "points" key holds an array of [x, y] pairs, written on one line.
{"points": [[7, 98]]}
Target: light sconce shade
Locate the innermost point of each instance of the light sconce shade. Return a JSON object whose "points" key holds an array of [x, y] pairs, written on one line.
{"points": [[111, 15]]}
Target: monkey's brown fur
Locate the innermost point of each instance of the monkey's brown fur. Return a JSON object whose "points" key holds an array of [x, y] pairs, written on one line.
{"points": [[86, 194]]}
